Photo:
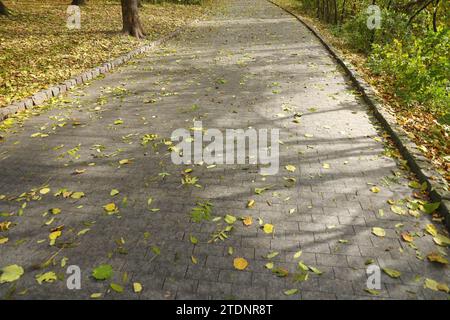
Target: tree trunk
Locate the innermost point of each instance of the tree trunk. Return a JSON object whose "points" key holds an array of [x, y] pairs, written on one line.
{"points": [[130, 17], [436, 6], [3, 10], [335, 9], [78, 2], [343, 12]]}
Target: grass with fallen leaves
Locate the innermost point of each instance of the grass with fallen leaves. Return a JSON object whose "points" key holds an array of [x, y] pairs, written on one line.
{"points": [[38, 50]]}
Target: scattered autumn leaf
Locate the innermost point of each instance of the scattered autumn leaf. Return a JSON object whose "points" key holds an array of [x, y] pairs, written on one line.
{"points": [[407, 237], [431, 229], [44, 191], [436, 257], [375, 189], [280, 272], [379, 232], [435, 286], [77, 195], [5, 225], [11, 273], [230, 219], [441, 240], [240, 263], [268, 228], [193, 239], [290, 292], [116, 287], [392, 272], [102, 272], [137, 287], [290, 168], [110, 207], [247, 221], [46, 277], [269, 265]]}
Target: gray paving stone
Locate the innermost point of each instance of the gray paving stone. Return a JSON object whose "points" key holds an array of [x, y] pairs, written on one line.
{"points": [[229, 67]]}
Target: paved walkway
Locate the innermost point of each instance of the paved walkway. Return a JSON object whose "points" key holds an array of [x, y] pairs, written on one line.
{"points": [[253, 66]]}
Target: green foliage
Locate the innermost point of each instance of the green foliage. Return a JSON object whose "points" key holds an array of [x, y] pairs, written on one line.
{"points": [[102, 272], [419, 67], [411, 48], [356, 34], [202, 211], [359, 37]]}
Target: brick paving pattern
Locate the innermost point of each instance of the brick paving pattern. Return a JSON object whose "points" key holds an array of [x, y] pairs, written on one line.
{"points": [[251, 66]]}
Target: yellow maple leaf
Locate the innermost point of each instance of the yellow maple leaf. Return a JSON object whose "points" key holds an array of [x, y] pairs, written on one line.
{"points": [[380, 232], [268, 228], [247, 221], [240, 263], [110, 207], [137, 287], [407, 237]]}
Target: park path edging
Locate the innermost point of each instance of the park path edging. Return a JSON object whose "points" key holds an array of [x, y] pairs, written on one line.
{"points": [[417, 162], [43, 96]]}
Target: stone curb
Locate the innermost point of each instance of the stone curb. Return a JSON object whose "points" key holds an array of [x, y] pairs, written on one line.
{"points": [[42, 96], [420, 165]]}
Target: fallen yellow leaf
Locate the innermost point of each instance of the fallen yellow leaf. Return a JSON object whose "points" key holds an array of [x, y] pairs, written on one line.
{"points": [[431, 229], [54, 235], [268, 228], [375, 189], [378, 231], [441, 240], [247, 221], [290, 168], [407, 237], [110, 207], [436, 257], [44, 190], [5, 225], [240, 263], [137, 287]]}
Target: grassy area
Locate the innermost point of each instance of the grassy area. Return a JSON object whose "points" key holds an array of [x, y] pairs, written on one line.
{"points": [[37, 49], [410, 72]]}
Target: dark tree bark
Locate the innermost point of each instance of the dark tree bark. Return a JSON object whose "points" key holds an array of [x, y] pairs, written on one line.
{"points": [[327, 10], [78, 2], [435, 11], [343, 12], [130, 17], [3, 10], [419, 11], [372, 36], [318, 8], [335, 9]]}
